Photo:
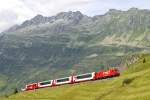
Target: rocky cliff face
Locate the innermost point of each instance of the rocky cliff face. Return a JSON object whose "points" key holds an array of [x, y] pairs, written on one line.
{"points": [[48, 47], [115, 27]]}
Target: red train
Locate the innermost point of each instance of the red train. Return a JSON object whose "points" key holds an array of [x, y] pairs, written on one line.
{"points": [[74, 79]]}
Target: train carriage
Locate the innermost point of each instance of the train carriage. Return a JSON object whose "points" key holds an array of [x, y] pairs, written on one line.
{"points": [[31, 86], [45, 84], [107, 74], [61, 81], [84, 77]]}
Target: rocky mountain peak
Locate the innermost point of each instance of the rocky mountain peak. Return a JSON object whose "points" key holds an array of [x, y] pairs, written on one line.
{"points": [[38, 17], [36, 20], [133, 9], [69, 15], [73, 16], [113, 11]]}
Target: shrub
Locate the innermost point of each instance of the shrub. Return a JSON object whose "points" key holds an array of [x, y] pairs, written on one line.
{"points": [[144, 60], [126, 81], [15, 91]]}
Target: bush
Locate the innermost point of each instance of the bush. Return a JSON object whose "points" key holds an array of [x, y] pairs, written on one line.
{"points": [[15, 91], [6, 96], [126, 81], [144, 60]]}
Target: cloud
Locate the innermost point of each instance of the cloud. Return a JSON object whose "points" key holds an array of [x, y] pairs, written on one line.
{"points": [[7, 19], [101, 6], [13, 12], [17, 11], [26, 9], [51, 7]]}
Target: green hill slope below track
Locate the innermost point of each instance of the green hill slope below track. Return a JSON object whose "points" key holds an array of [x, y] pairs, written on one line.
{"points": [[133, 84]]}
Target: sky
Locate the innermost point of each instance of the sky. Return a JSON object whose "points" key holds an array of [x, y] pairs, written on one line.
{"points": [[16, 11]]}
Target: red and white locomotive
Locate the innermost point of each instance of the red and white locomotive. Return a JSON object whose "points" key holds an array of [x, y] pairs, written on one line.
{"points": [[74, 79]]}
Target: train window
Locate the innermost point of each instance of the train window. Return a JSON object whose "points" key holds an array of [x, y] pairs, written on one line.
{"points": [[29, 86], [84, 76], [63, 80], [45, 83]]}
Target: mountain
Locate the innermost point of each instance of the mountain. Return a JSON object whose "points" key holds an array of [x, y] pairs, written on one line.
{"points": [[129, 28], [70, 42]]}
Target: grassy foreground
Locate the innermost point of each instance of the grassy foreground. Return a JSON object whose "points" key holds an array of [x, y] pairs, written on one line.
{"points": [[112, 89]]}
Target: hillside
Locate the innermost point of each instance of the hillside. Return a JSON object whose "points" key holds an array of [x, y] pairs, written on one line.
{"points": [[44, 48], [111, 89]]}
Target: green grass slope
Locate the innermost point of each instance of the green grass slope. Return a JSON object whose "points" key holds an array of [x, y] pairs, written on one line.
{"points": [[112, 89]]}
